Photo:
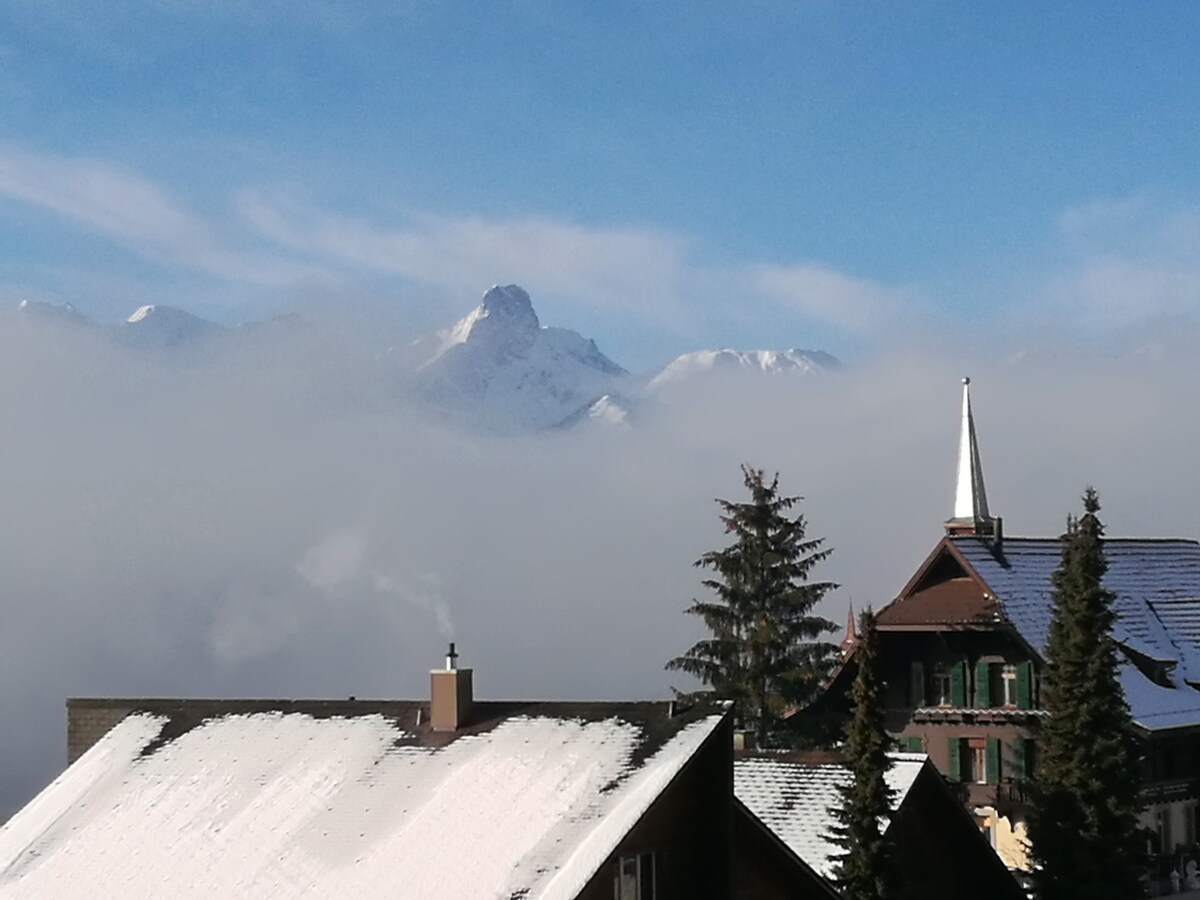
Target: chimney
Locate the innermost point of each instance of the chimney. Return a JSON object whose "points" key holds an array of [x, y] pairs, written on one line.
{"points": [[451, 695]]}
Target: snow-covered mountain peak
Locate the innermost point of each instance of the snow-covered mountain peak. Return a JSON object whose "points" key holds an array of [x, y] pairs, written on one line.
{"points": [[501, 368], [509, 303], [705, 362], [502, 325]]}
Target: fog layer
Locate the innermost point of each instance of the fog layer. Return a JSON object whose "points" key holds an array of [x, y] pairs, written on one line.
{"points": [[270, 518]]}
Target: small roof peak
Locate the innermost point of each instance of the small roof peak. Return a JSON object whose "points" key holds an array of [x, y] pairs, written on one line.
{"points": [[971, 514], [851, 637]]}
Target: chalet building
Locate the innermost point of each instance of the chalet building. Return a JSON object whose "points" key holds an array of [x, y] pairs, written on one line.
{"points": [[446, 797], [941, 853], [963, 649]]}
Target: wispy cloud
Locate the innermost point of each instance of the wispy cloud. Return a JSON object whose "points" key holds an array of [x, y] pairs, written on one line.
{"points": [[637, 271], [1124, 262], [139, 215], [857, 305], [634, 273], [643, 273]]}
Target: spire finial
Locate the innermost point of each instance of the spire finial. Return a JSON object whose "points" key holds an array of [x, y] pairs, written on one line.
{"points": [[970, 497]]}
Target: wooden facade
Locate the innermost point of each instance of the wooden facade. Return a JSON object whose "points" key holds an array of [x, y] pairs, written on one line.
{"points": [[963, 685]]}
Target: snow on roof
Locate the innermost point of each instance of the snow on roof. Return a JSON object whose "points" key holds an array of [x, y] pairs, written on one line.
{"points": [[794, 798], [1156, 583], [285, 804], [1156, 707]]}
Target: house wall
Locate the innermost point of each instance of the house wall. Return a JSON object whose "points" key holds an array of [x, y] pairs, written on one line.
{"points": [[1009, 837], [996, 798], [689, 829], [942, 855], [935, 726], [765, 870], [1179, 818]]}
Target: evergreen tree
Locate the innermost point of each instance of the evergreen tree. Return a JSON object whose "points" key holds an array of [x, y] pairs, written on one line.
{"points": [[866, 867], [764, 652], [1083, 821]]}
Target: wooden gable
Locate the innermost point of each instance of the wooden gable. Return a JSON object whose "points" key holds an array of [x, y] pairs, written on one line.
{"points": [[945, 592]]}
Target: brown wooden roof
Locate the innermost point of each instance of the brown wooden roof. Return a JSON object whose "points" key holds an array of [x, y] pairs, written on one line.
{"points": [[946, 591]]}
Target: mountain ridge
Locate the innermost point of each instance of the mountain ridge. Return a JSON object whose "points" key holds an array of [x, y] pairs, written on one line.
{"points": [[496, 369]]}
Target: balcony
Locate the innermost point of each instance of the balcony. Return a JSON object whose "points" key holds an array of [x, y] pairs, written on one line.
{"points": [[1010, 797]]}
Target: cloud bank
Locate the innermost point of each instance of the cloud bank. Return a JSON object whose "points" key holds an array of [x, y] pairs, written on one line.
{"points": [[275, 519]]}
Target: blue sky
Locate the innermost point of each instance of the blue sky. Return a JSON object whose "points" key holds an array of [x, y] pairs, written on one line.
{"points": [[659, 176]]}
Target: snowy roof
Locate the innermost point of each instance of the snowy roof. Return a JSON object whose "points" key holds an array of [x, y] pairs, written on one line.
{"points": [[1157, 588], [1156, 707], [793, 796], [283, 804]]}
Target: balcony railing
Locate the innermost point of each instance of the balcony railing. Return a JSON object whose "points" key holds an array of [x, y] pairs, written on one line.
{"points": [[1011, 795]]}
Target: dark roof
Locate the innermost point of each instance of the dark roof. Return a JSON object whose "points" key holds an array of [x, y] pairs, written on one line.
{"points": [[1157, 588]]}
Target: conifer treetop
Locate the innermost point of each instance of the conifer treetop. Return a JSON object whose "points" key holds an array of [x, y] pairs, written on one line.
{"points": [[1083, 822], [765, 650]]}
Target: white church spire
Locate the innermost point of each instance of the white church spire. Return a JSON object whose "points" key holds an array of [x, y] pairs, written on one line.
{"points": [[970, 497]]}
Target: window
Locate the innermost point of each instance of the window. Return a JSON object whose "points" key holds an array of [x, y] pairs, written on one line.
{"points": [[916, 684], [941, 685], [975, 760], [1008, 685], [1189, 824], [979, 765], [635, 878], [1162, 819], [912, 743], [1025, 758]]}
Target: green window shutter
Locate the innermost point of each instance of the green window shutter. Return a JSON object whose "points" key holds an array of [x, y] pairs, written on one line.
{"points": [[1018, 759], [1025, 686], [1029, 752], [958, 684], [993, 761], [983, 685], [912, 743], [955, 772], [917, 684]]}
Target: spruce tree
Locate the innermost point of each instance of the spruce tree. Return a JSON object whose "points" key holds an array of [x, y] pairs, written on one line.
{"points": [[1083, 821], [866, 866], [764, 652]]}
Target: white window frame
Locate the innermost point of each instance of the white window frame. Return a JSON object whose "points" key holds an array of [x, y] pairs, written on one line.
{"points": [[978, 764], [1008, 684], [940, 680], [634, 873]]}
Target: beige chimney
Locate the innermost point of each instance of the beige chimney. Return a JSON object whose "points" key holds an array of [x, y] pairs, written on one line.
{"points": [[451, 695]]}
